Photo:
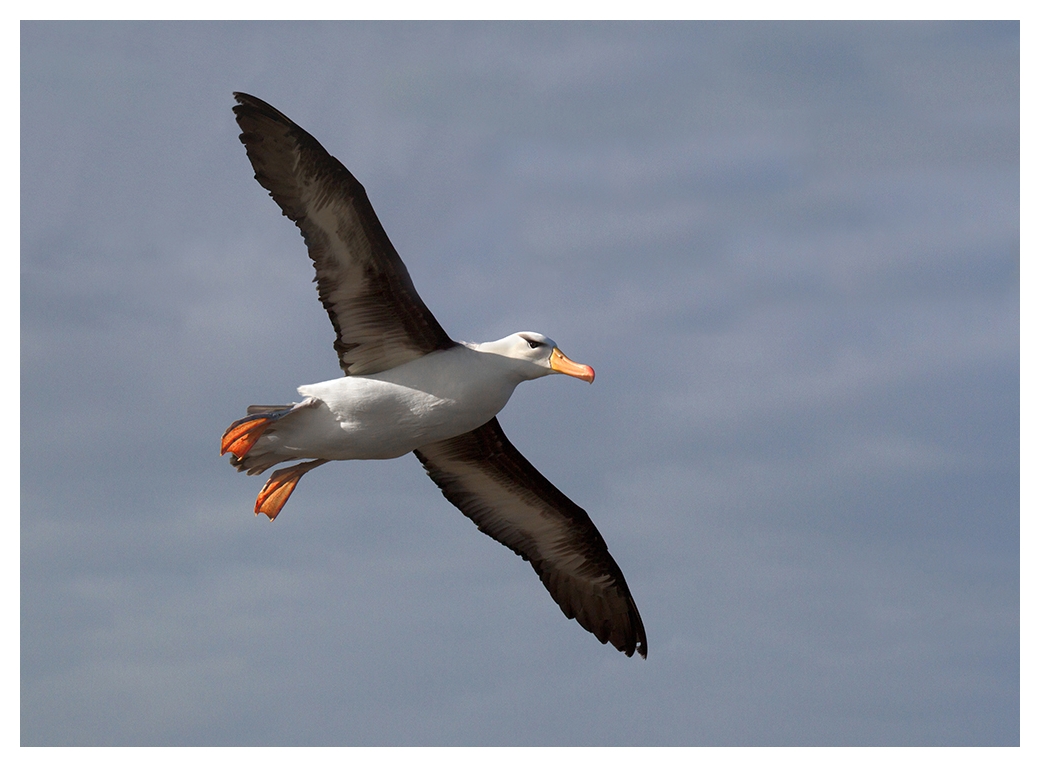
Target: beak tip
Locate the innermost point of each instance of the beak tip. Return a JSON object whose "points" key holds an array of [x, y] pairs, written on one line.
{"points": [[560, 363]]}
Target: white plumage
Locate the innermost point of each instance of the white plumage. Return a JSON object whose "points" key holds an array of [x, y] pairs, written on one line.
{"points": [[388, 414]]}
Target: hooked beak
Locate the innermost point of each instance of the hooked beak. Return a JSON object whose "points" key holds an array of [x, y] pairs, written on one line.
{"points": [[560, 363]]}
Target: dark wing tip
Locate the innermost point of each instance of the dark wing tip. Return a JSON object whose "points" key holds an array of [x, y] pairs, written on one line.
{"points": [[637, 639], [628, 636], [624, 630], [640, 637], [247, 102], [251, 113]]}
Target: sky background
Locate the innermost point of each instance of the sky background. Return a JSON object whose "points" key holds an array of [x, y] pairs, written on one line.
{"points": [[790, 251]]}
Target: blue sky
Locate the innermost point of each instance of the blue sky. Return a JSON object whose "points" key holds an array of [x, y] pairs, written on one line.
{"points": [[791, 253]]}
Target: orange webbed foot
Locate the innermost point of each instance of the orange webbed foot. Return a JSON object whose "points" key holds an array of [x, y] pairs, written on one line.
{"points": [[280, 486], [242, 435]]}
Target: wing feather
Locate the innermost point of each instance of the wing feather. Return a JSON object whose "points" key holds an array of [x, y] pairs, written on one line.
{"points": [[379, 318], [496, 487]]}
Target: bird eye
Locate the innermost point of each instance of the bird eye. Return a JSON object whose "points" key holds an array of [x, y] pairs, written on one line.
{"points": [[534, 344]]}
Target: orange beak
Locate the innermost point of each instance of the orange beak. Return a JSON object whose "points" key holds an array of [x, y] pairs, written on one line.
{"points": [[561, 363]]}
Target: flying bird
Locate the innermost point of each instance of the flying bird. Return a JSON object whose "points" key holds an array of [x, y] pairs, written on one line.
{"points": [[409, 388]]}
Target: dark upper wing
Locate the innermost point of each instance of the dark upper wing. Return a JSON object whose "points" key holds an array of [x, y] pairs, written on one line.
{"points": [[380, 320], [495, 486]]}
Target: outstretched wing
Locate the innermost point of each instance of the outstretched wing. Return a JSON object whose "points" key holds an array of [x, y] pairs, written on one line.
{"points": [[495, 486], [379, 319]]}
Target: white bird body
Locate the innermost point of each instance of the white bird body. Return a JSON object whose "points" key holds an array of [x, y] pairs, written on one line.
{"points": [[389, 414]]}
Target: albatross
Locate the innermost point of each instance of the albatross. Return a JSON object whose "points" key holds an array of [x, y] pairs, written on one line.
{"points": [[409, 388]]}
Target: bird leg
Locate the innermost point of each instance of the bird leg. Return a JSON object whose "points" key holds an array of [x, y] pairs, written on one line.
{"points": [[280, 486]]}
